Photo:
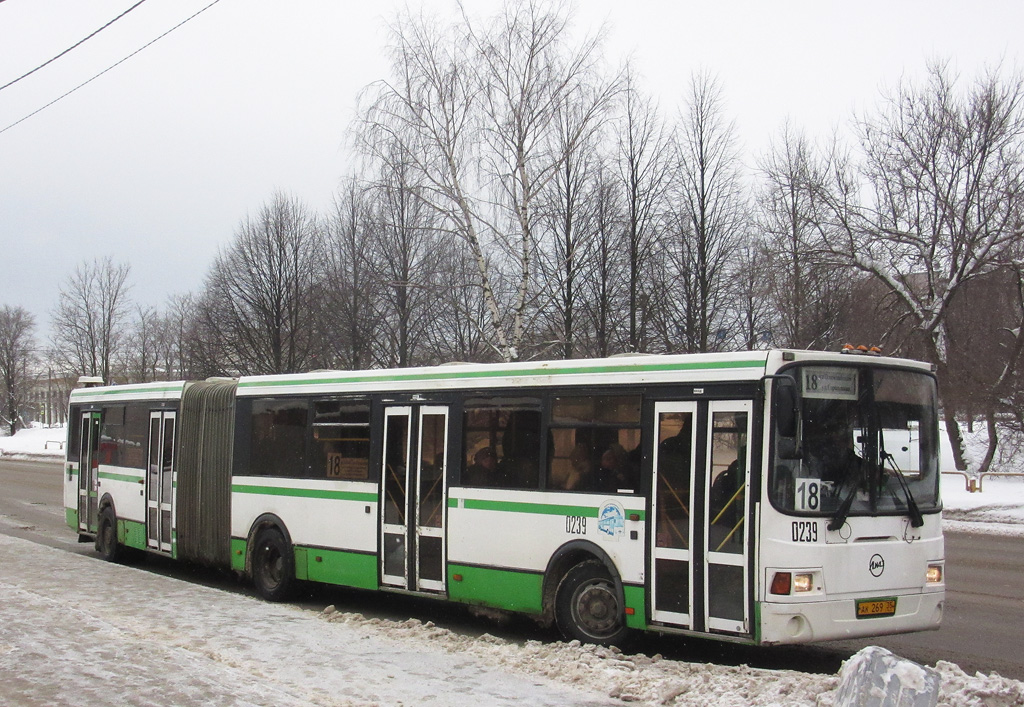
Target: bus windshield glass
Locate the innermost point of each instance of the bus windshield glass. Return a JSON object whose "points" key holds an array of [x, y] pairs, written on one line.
{"points": [[865, 443]]}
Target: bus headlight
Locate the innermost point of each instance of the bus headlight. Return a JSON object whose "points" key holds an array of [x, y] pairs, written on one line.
{"points": [[934, 574], [803, 583], [787, 583]]}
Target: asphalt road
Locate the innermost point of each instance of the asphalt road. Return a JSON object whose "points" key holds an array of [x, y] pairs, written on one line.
{"points": [[980, 631]]}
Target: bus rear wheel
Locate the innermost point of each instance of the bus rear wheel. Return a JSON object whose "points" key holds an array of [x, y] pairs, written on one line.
{"points": [[587, 606], [273, 566]]}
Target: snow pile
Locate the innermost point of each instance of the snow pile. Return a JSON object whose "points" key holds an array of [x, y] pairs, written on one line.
{"points": [[962, 690], [630, 678], [656, 681], [46, 443]]}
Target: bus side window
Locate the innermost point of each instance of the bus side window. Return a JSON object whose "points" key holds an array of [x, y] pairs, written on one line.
{"points": [[595, 444], [341, 440], [501, 443], [279, 437]]}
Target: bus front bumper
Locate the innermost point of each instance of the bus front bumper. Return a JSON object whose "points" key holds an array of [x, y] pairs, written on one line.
{"points": [[837, 619]]}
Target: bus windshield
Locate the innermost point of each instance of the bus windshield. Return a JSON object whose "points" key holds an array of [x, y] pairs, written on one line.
{"points": [[864, 443]]}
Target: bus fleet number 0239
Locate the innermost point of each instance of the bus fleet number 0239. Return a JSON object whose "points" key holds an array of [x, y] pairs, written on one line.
{"points": [[805, 531]]}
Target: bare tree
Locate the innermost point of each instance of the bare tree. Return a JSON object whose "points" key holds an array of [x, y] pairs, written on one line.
{"points": [[712, 215], [141, 355], [807, 292], [604, 290], [178, 341], [257, 308], [750, 285], [943, 171], [350, 292], [17, 355], [453, 334], [644, 170], [474, 110], [405, 258], [567, 252], [89, 322]]}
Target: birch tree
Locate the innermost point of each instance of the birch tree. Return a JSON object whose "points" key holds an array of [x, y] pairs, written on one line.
{"points": [[473, 106]]}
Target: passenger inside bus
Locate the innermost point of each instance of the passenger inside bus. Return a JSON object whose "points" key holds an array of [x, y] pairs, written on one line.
{"points": [[830, 453], [483, 469]]}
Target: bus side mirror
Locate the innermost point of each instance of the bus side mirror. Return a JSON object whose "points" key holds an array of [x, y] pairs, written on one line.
{"points": [[786, 410]]}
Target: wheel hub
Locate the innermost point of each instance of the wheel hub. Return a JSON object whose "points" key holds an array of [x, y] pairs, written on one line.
{"points": [[597, 609]]}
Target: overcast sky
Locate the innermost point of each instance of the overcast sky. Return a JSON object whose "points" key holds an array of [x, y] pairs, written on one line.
{"points": [[157, 161]]}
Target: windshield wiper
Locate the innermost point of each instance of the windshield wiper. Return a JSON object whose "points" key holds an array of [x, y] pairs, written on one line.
{"points": [[854, 475], [916, 519], [844, 508]]}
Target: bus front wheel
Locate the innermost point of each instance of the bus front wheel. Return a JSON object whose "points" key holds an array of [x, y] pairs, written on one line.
{"points": [[106, 537], [587, 606], [273, 566]]}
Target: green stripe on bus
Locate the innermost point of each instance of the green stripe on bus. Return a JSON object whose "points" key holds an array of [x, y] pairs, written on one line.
{"points": [[501, 589], [71, 517], [541, 508], [305, 493], [456, 373], [120, 477], [123, 390]]}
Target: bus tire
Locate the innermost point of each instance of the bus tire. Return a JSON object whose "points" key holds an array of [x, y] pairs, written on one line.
{"points": [[106, 537], [587, 606], [273, 565]]}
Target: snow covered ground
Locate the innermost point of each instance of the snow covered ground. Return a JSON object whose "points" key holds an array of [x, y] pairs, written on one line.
{"points": [[74, 630]]}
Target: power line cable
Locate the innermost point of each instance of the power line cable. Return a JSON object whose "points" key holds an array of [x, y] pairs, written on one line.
{"points": [[80, 42], [88, 81]]}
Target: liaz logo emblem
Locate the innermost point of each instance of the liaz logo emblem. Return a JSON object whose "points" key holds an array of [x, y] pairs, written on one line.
{"points": [[611, 520], [876, 565]]}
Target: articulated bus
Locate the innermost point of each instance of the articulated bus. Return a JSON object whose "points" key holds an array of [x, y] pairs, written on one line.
{"points": [[763, 497]]}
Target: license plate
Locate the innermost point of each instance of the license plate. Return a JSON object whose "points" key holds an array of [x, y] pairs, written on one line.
{"points": [[872, 608]]}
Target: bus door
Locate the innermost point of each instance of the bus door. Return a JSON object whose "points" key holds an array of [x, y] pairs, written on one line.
{"points": [[88, 471], [413, 497], [727, 479], [699, 541], [160, 480]]}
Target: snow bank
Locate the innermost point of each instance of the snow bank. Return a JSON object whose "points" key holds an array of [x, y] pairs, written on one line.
{"points": [[41, 443], [76, 630], [655, 681]]}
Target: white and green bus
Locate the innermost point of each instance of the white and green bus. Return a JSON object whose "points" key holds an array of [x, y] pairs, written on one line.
{"points": [[765, 497]]}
